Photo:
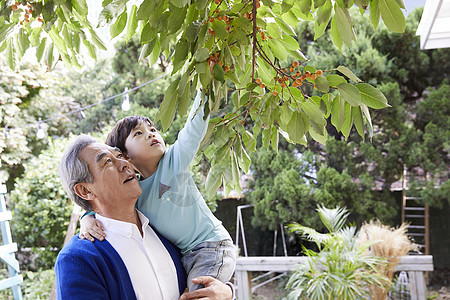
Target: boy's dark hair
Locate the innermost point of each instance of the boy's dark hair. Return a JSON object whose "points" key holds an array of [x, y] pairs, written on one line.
{"points": [[123, 128]]}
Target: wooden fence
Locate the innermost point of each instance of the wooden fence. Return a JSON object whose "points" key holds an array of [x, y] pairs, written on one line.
{"points": [[414, 265]]}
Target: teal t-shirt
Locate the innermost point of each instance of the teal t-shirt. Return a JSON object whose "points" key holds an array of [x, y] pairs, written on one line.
{"points": [[170, 198]]}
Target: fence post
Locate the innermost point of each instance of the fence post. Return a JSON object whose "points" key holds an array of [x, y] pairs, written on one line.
{"points": [[7, 250]]}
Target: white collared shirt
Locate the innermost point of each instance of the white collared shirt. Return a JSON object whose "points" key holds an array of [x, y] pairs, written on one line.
{"points": [[149, 265]]}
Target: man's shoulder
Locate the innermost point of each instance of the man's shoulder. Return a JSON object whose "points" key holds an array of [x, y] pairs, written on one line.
{"points": [[77, 247]]}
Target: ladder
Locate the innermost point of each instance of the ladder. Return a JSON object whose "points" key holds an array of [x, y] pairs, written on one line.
{"points": [[7, 249], [417, 216]]}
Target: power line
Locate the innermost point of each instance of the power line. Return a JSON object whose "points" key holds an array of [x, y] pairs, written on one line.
{"points": [[80, 110]]}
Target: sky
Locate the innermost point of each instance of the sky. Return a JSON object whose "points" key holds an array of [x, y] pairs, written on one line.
{"points": [[411, 4]]}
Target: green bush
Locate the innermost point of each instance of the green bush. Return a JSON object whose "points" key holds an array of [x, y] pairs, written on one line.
{"points": [[41, 209], [36, 285]]}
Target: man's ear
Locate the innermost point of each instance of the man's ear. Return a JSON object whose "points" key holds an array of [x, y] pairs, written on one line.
{"points": [[83, 190]]}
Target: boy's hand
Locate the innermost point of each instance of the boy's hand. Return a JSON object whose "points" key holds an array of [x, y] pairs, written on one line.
{"points": [[91, 228]]}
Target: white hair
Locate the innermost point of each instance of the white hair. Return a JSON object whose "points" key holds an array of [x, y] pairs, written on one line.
{"points": [[73, 170]]}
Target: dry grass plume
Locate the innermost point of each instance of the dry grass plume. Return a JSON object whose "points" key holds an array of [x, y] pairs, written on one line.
{"points": [[392, 244]]}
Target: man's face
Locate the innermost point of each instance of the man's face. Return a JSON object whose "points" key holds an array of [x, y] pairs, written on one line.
{"points": [[144, 145], [115, 183]]}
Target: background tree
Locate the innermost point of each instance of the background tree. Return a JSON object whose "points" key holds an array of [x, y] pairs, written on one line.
{"points": [[356, 173], [41, 208], [25, 97]]}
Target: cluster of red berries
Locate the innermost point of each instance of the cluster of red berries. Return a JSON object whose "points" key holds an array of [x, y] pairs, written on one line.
{"points": [[216, 59], [248, 15], [221, 16], [28, 9], [296, 76]]}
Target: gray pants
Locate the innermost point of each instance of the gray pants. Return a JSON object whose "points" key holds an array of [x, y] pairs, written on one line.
{"points": [[216, 259]]}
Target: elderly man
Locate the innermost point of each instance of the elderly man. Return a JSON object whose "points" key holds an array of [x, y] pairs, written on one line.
{"points": [[134, 262]]}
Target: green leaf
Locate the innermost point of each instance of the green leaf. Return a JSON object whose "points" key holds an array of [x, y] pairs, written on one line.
{"points": [[180, 55], [374, 13], [249, 141], [57, 40], [111, 11], [97, 40], [358, 120], [265, 72], [348, 120], [91, 49], [167, 109], [218, 73], [321, 138], [278, 49], [371, 96], [10, 57], [235, 172], [285, 27], [213, 182], [119, 25], [313, 113], [305, 6], [76, 42], [66, 36], [23, 40], [201, 4], [179, 3], [335, 35], [347, 72], [81, 7], [183, 101], [350, 94], [290, 18], [147, 50], [49, 56], [392, 15], [365, 111], [400, 3], [289, 42], [344, 24], [220, 29], [201, 54], [297, 127], [155, 53], [205, 76], [297, 54], [148, 33], [319, 30], [40, 49], [335, 80], [176, 19], [132, 23], [274, 30], [274, 138], [192, 31], [3, 46], [322, 84]]}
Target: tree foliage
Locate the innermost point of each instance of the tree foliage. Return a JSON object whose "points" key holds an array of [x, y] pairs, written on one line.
{"points": [[25, 97], [253, 46], [41, 208]]}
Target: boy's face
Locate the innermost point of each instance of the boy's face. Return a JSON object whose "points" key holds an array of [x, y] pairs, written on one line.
{"points": [[144, 145]]}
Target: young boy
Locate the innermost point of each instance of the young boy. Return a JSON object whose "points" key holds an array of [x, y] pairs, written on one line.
{"points": [[170, 198]]}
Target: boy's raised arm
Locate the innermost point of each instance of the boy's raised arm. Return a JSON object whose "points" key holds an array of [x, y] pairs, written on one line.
{"points": [[190, 137]]}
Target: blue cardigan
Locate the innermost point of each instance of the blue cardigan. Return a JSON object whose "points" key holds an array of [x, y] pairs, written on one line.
{"points": [[86, 270]]}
